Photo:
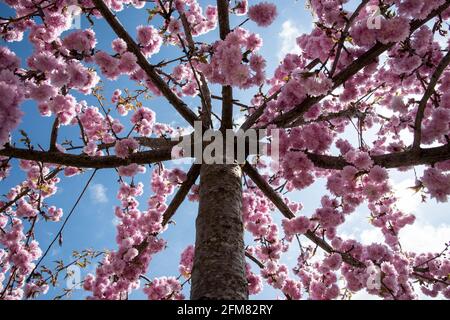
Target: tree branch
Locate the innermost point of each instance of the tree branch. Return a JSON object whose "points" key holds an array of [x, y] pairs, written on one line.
{"points": [[352, 69], [202, 83], [227, 91], [350, 112], [261, 266], [256, 261], [265, 187], [224, 18], [153, 143], [54, 135], [177, 200], [423, 103], [133, 47], [276, 199], [85, 161], [61, 229], [344, 35], [254, 117], [182, 192], [26, 190], [235, 102], [389, 161]]}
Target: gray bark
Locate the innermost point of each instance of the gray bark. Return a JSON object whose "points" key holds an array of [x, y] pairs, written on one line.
{"points": [[219, 264]]}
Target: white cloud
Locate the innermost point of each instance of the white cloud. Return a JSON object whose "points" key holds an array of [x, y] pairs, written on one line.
{"points": [[98, 193], [425, 237], [418, 237], [408, 199], [288, 35]]}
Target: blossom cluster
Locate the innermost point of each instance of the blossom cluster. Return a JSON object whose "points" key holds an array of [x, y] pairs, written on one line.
{"points": [[263, 14], [199, 22], [137, 240], [19, 252], [11, 91], [187, 261], [235, 62]]}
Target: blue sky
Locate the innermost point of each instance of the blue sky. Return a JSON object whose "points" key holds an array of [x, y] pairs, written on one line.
{"points": [[92, 224]]}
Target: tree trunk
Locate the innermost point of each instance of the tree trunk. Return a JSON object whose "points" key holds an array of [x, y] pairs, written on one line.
{"points": [[219, 265]]}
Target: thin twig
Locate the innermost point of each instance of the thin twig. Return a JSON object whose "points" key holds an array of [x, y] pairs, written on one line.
{"points": [[61, 229]]}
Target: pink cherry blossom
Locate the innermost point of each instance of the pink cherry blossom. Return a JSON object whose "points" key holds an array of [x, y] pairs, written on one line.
{"points": [[126, 147], [263, 13], [359, 99]]}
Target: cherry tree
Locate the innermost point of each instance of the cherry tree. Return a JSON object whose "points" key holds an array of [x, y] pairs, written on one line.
{"points": [[376, 68]]}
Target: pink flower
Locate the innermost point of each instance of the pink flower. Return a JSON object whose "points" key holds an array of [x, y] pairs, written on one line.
{"points": [[119, 46], [360, 159], [398, 105], [8, 60], [315, 45], [328, 216], [82, 41], [333, 261], [393, 30], [54, 214], [11, 93], [174, 26], [150, 39], [226, 69], [43, 92], [91, 148], [32, 289], [253, 42], [125, 147], [64, 107], [257, 63], [164, 288], [108, 65], [186, 261], [71, 171], [116, 95], [131, 254], [263, 13], [437, 183], [298, 169], [378, 174], [80, 77], [317, 85], [405, 63], [343, 145], [143, 119], [254, 281], [44, 61], [24, 209], [241, 7], [211, 13], [292, 289], [362, 35], [131, 170], [299, 225], [128, 63]]}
